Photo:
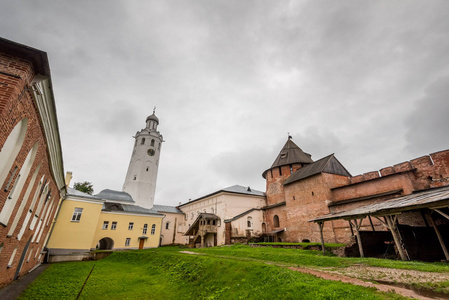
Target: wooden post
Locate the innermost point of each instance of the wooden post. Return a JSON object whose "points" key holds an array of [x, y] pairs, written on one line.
{"points": [[391, 223], [440, 238], [357, 226], [321, 224]]}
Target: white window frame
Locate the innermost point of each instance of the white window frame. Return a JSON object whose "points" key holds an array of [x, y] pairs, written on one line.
{"points": [[105, 225], [130, 225], [145, 229], [153, 229], [127, 242], [114, 226], [77, 212]]}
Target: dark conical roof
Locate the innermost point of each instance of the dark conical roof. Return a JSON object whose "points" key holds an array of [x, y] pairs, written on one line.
{"points": [[290, 154]]}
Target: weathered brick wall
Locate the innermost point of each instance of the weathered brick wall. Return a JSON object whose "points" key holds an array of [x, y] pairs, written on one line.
{"points": [[308, 199], [275, 181], [16, 104], [320, 194]]}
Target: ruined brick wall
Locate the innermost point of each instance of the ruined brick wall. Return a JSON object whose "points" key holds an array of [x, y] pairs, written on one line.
{"points": [[16, 103]]}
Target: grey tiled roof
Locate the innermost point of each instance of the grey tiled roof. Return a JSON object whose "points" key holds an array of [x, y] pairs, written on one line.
{"points": [[166, 208], [73, 192], [115, 196]]}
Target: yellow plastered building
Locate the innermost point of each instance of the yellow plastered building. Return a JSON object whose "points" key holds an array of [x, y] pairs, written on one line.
{"points": [[107, 221]]}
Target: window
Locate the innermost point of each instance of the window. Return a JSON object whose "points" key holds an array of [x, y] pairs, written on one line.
{"points": [[130, 226], [249, 222], [167, 225], [77, 214], [145, 228], [276, 221], [11, 259], [128, 240], [105, 224], [148, 168], [114, 226], [142, 141], [152, 143], [135, 177], [153, 229]]}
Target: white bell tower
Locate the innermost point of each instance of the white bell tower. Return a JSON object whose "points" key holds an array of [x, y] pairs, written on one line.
{"points": [[140, 181]]}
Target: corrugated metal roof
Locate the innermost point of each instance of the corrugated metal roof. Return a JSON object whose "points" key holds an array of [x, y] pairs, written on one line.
{"points": [[243, 190], [241, 215], [237, 189], [112, 206], [167, 209], [328, 164], [73, 192], [290, 154], [433, 198], [115, 196]]}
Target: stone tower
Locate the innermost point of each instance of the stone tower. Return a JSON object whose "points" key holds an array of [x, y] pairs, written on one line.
{"points": [[290, 159], [141, 177]]}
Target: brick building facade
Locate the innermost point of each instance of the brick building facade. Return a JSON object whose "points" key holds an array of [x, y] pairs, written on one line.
{"points": [[300, 189], [31, 171]]}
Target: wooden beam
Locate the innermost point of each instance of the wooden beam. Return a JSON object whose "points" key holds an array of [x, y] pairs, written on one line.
{"points": [[321, 224], [440, 238], [371, 222], [357, 226], [391, 222], [442, 213]]}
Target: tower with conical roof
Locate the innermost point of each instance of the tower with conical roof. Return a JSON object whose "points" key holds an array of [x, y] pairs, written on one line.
{"points": [[290, 159], [140, 181]]}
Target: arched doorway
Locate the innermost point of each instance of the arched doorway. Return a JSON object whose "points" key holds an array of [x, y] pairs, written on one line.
{"points": [[105, 244]]}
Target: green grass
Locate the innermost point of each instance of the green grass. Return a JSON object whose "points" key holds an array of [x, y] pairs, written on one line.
{"points": [[165, 273], [313, 258], [305, 245]]}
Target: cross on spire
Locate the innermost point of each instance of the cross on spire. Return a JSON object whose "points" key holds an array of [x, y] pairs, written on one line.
{"points": [[154, 110]]}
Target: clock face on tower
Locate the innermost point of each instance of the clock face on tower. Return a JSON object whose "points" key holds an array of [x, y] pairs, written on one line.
{"points": [[150, 152]]}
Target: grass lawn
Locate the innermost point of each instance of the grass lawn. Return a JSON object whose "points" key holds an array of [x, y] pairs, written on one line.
{"points": [[165, 273], [312, 258]]}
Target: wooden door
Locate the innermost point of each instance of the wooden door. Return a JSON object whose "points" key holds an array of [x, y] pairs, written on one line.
{"points": [[141, 243]]}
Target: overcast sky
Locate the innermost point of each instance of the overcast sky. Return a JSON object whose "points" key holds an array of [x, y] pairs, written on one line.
{"points": [[366, 80]]}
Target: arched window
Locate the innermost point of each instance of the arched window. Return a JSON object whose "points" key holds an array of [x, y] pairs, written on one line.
{"points": [[142, 141], [167, 225], [152, 143], [11, 148], [276, 221], [145, 228], [16, 189], [22, 205], [249, 222], [153, 229]]}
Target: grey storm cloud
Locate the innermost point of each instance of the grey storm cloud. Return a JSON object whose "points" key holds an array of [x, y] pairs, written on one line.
{"points": [[364, 80]]}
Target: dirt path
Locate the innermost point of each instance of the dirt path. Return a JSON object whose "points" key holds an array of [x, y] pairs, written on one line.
{"points": [[381, 287]]}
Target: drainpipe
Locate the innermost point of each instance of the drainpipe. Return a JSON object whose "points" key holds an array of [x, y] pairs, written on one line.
{"points": [[160, 234]]}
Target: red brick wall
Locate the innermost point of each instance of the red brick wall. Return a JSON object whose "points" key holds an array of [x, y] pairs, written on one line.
{"points": [[16, 104]]}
